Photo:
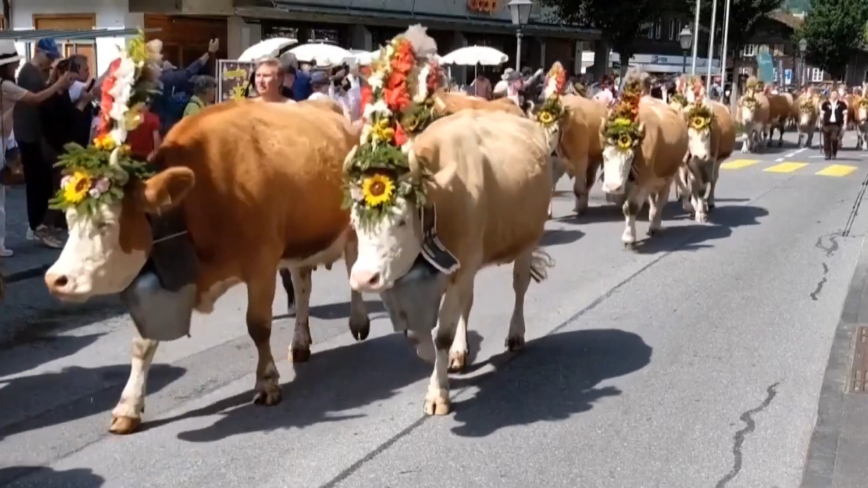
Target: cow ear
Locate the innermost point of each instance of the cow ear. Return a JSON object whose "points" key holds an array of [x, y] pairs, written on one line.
{"points": [[443, 178], [166, 189], [641, 129], [603, 126]]}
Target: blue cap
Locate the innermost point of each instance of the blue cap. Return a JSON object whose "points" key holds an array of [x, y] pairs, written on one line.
{"points": [[49, 47], [318, 78]]}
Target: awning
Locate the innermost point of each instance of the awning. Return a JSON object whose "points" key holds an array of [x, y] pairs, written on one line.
{"points": [[33, 35], [356, 15]]}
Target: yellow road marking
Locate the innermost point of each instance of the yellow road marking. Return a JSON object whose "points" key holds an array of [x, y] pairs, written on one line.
{"points": [[738, 164], [836, 170], [785, 167]]}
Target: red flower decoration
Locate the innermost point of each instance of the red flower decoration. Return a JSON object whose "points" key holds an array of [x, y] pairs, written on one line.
{"points": [[106, 101], [366, 94], [404, 59], [396, 95], [400, 136], [433, 80]]}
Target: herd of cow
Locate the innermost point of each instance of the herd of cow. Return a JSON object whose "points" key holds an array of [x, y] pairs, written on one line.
{"points": [[766, 112], [261, 186]]}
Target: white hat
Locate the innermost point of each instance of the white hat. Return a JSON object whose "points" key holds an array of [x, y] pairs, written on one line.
{"points": [[8, 53]]}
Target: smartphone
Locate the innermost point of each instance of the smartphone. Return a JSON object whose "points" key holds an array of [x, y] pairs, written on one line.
{"points": [[90, 85]]}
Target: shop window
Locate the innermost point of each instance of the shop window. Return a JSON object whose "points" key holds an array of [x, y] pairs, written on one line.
{"points": [[817, 75], [674, 29], [749, 50]]}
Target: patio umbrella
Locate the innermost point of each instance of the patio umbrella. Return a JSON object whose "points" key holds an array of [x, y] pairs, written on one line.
{"points": [[322, 54], [473, 55], [267, 48]]}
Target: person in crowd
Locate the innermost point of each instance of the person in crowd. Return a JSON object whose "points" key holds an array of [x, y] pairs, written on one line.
{"points": [[834, 117], [62, 120], [319, 81], [296, 82], [269, 81], [204, 94], [532, 84], [605, 95], [38, 174], [170, 105], [481, 86], [146, 138], [501, 87]]}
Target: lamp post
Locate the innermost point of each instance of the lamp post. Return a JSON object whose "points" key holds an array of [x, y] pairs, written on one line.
{"points": [[685, 37], [520, 12], [711, 34], [803, 73]]}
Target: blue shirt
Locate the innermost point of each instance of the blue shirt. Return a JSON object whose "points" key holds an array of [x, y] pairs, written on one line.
{"points": [[301, 87]]}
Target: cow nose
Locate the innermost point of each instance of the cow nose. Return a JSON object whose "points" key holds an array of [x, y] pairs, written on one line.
{"points": [[56, 282], [612, 187], [364, 280]]}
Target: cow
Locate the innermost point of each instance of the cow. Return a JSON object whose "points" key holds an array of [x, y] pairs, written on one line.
{"points": [[448, 103], [780, 107], [258, 186], [754, 116], [642, 159], [860, 120], [490, 189], [711, 139], [807, 120]]}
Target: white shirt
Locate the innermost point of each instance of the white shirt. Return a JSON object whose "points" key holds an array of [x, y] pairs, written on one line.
{"points": [[319, 96], [75, 90]]}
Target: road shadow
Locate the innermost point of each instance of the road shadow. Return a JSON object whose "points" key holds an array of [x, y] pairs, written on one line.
{"points": [[691, 237], [330, 388], [42, 350], [560, 237], [553, 378], [100, 389], [43, 477], [342, 310]]}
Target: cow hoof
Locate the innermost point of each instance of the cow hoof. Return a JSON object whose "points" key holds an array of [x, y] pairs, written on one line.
{"points": [[299, 354], [702, 218], [437, 404], [361, 329], [629, 246], [514, 343], [457, 361], [653, 232], [710, 207], [270, 395], [125, 425]]}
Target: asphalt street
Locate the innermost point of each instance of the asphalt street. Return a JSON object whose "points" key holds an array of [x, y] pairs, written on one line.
{"points": [[694, 361]]}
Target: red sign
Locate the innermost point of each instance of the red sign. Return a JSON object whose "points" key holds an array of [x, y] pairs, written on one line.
{"points": [[483, 6]]}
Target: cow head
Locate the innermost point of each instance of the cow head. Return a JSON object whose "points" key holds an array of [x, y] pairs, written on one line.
{"points": [[620, 144], [391, 239], [862, 111], [108, 247], [807, 113], [699, 120]]}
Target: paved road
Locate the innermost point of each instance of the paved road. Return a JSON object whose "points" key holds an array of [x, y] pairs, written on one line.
{"points": [[695, 361]]}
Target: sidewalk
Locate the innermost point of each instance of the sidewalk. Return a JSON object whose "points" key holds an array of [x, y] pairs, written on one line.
{"points": [[31, 259]]}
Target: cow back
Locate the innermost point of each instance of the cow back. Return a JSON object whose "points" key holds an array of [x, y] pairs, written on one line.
{"points": [[497, 204], [723, 130], [580, 141], [268, 179], [779, 106], [853, 102], [665, 143], [456, 102], [762, 112]]}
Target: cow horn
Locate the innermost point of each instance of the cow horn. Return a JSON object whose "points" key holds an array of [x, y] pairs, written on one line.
{"points": [[115, 164], [439, 103], [413, 164], [348, 161]]}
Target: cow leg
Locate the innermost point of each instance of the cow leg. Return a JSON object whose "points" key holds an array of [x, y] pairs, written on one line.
{"points": [[631, 207], [260, 297], [437, 398], [781, 136], [580, 190], [715, 174], [520, 282], [682, 188], [127, 415], [360, 324], [286, 279], [459, 351], [656, 202], [299, 350]]}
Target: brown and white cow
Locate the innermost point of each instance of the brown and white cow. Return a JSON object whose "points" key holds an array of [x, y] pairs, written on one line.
{"points": [[754, 115], [491, 188], [646, 171], [448, 103], [708, 148], [860, 120], [258, 186]]}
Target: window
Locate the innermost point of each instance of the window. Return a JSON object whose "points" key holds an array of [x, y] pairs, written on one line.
{"points": [[816, 75], [658, 29], [674, 29], [749, 50], [775, 71], [648, 29]]}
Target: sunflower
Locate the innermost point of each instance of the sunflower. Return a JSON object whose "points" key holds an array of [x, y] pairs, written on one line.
{"points": [[545, 117], [625, 141], [77, 187], [382, 132], [698, 123], [377, 189], [104, 143]]}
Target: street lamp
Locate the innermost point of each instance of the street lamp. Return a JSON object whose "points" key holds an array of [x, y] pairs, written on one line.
{"points": [[803, 73], [520, 12], [685, 37]]}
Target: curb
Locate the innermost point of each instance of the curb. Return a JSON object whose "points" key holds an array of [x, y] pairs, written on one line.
{"points": [[25, 274]]}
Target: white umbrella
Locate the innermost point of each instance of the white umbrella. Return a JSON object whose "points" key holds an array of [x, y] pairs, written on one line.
{"points": [[266, 49], [365, 58], [473, 55], [322, 54]]}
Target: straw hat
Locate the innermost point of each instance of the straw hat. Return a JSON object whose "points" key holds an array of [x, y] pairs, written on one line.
{"points": [[8, 53]]}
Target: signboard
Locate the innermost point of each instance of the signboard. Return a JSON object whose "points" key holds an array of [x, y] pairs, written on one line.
{"points": [[788, 77], [765, 67], [233, 79], [483, 6]]}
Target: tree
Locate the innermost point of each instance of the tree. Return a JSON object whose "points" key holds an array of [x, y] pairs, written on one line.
{"points": [[620, 21], [834, 29]]}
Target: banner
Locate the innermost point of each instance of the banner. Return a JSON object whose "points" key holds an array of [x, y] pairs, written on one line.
{"points": [[233, 79], [765, 64]]}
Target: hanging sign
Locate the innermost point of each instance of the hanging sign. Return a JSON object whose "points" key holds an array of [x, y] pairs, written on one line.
{"points": [[483, 6], [233, 79]]}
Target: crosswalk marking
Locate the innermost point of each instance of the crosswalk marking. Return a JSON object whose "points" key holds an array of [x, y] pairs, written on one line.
{"points": [[739, 163], [785, 167], [836, 170]]}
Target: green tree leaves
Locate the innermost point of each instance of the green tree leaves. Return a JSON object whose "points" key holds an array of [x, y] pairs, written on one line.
{"points": [[835, 29]]}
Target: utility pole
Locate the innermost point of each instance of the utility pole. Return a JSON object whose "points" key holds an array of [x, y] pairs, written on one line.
{"points": [[711, 47], [725, 46], [695, 39]]}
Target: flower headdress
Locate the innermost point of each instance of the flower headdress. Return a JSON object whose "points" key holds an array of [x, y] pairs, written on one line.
{"points": [[403, 82], [622, 126], [552, 110], [700, 116], [97, 174], [808, 105]]}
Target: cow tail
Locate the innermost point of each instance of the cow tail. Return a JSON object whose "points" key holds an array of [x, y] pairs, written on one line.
{"points": [[540, 262]]}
